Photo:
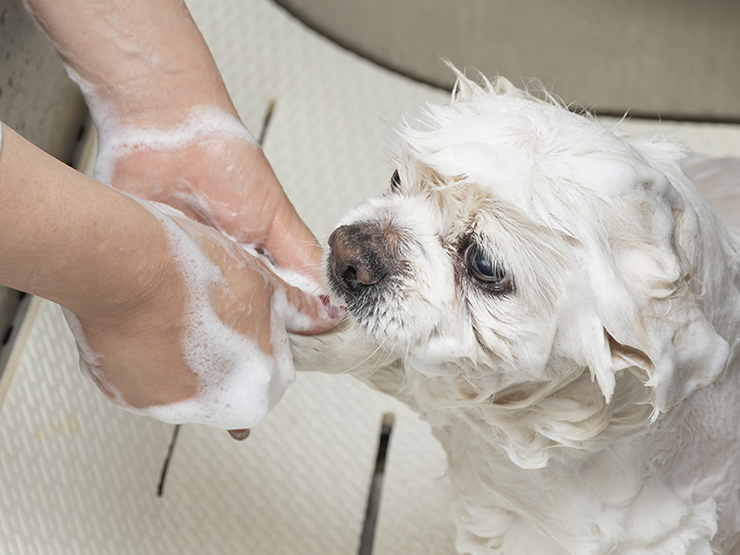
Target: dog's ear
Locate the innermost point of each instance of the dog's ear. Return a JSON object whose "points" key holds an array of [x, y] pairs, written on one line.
{"points": [[640, 307], [668, 341]]}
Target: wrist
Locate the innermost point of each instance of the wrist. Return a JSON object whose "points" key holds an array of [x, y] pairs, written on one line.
{"points": [[153, 149], [147, 98], [128, 64], [74, 241], [132, 269], [128, 272]]}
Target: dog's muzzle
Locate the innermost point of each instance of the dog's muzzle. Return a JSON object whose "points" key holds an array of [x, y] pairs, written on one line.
{"points": [[359, 258]]}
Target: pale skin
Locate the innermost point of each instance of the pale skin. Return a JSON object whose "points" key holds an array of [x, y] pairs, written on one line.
{"points": [[151, 68], [99, 252]]}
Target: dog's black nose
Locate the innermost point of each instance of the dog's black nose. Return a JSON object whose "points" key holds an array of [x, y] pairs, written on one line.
{"points": [[358, 257]]}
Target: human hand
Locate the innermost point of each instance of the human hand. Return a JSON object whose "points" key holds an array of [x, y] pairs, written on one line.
{"points": [[169, 132], [211, 168], [171, 317], [168, 129], [205, 340]]}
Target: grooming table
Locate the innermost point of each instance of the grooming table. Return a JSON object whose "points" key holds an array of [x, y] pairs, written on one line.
{"points": [[78, 476]]}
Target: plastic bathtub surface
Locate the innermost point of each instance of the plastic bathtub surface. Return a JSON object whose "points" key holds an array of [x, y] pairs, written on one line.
{"points": [[79, 476]]}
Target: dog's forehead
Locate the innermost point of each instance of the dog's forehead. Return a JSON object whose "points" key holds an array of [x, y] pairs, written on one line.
{"points": [[528, 154]]}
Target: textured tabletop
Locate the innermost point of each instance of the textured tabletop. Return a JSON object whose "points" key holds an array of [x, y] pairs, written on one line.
{"points": [[79, 476]]}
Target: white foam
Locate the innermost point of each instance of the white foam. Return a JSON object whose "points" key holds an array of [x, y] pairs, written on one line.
{"points": [[238, 384], [116, 140], [117, 137]]}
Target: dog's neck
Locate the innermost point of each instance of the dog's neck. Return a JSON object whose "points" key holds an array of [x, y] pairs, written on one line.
{"points": [[532, 422]]}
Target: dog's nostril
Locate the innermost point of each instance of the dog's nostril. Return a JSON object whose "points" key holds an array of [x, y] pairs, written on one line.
{"points": [[359, 274], [349, 275]]}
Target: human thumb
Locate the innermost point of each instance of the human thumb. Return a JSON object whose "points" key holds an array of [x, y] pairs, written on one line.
{"points": [[304, 312]]}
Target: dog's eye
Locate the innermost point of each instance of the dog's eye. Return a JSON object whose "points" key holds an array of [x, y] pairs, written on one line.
{"points": [[486, 272], [395, 182]]}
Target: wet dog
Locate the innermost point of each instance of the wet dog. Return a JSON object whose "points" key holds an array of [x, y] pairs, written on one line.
{"points": [[563, 307]]}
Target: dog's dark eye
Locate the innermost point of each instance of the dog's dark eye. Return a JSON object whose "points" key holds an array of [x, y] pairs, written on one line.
{"points": [[395, 182], [486, 272]]}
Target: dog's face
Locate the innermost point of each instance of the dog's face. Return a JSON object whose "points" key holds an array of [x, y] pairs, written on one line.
{"points": [[521, 246]]}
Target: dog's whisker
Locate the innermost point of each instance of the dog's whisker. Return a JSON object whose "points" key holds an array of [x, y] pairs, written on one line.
{"points": [[364, 379]]}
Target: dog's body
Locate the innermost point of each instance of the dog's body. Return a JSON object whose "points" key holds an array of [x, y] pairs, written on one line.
{"points": [[563, 307]]}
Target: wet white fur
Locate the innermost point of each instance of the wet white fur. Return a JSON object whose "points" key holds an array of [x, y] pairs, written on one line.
{"points": [[595, 410]]}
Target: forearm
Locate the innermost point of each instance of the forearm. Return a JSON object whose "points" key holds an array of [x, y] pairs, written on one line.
{"points": [[141, 60], [66, 237]]}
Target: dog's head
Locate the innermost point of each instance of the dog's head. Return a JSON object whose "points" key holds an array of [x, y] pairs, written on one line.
{"points": [[521, 247]]}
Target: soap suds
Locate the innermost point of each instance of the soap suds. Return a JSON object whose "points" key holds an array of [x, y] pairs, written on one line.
{"points": [[115, 140], [238, 383]]}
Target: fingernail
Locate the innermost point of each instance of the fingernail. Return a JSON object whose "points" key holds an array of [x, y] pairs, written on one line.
{"points": [[239, 435], [333, 312]]}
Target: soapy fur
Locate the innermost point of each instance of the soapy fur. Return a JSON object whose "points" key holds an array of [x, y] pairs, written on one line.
{"points": [[593, 408]]}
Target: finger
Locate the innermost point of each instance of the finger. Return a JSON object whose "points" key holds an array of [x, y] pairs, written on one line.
{"points": [[239, 435], [310, 314], [290, 243], [282, 233]]}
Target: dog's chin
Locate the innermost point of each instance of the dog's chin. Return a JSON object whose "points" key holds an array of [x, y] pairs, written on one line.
{"points": [[382, 315]]}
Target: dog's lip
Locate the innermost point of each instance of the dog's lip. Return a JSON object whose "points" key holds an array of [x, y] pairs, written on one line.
{"points": [[340, 294]]}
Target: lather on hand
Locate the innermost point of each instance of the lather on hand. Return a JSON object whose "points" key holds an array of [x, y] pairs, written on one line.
{"points": [[180, 348]]}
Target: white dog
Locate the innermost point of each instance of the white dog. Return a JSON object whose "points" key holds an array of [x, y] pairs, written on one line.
{"points": [[563, 307]]}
